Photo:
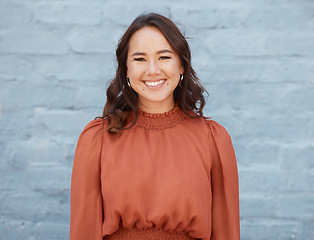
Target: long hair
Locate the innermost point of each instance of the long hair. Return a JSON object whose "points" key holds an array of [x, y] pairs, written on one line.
{"points": [[121, 98]]}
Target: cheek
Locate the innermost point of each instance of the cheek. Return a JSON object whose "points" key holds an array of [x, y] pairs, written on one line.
{"points": [[135, 71], [175, 73], [130, 71], [175, 69]]}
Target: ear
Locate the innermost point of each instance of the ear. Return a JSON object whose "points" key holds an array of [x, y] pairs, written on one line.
{"points": [[181, 70]]}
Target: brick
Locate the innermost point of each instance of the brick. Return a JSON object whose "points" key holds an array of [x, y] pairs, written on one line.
{"points": [[309, 229], [21, 12], [264, 229], [52, 230], [308, 176], [68, 13], [16, 229], [300, 206], [90, 97], [11, 128], [58, 120], [14, 68], [84, 69], [281, 16], [130, 10], [264, 182], [283, 44], [257, 154], [231, 95], [93, 41], [33, 41], [32, 208], [298, 157], [24, 154], [253, 206], [41, 177], [22, 96], [311, 130], [298, 99], [218, 69], [213, 15], [41, 230], [293, 182], [45, 122], [280, 128], [252, 42]]}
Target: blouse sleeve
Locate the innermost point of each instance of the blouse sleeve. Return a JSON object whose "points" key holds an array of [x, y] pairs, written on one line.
{"points": [[225, 186], [86, 198]]}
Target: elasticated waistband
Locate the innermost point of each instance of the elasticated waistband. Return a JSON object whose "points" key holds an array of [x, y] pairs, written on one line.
{"points": [[143, 234]]}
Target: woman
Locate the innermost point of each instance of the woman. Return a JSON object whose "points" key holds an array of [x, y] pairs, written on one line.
{"points": [[152, 167]]}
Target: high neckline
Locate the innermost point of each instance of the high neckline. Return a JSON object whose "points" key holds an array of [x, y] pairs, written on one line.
{"points": [[160, 121]]}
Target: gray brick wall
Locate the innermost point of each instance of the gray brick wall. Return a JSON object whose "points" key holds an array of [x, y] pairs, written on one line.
{"points": [[256, 58]]}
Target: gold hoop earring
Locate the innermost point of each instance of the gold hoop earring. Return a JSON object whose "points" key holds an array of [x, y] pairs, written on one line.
{"points": [[128, 81], [181, 79]]}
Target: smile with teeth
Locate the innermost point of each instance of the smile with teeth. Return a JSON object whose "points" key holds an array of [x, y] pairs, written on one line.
{"points": [[149, 83]]}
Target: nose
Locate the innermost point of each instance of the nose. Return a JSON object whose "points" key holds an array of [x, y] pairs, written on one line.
{"points": [[152, 69]]}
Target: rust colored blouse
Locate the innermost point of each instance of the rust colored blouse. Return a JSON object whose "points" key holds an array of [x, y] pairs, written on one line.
{"points": [[169, 172]]}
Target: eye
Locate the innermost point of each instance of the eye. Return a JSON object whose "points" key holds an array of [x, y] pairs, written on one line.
{"points": [[139, 59], [164, 57]]}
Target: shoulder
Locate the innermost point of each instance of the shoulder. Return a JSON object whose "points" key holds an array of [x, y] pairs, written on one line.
{"points": [[93, 130], [206, 127], [217, 130], [94, 125], [211, 125], [89, 148], [215, 126]]}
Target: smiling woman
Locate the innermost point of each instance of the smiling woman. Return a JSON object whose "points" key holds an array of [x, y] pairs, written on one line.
{"points": [[153, 167], [153, 69], [163, 40]]}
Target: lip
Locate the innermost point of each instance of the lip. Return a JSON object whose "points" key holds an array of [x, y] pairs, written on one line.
{"points": [[155, 83]]}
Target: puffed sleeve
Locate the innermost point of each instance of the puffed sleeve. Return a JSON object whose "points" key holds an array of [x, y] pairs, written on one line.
{"points": [[86, 197], [225, 185]]}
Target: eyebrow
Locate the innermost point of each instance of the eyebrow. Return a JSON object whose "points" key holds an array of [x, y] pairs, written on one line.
{"points": [[142, 53], [164, 51]]}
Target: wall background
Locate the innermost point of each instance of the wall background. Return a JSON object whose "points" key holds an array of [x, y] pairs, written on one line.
{"points": [[256, 58]]}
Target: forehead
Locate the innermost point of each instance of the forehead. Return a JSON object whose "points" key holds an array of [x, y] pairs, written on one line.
{"points": [[148, 39]]}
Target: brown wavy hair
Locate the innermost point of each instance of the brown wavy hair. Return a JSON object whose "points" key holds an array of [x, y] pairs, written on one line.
{"points": [[122, 99]]}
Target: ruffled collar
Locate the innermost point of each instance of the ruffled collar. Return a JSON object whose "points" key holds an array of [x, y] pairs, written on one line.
{"points": [[160, 121]]}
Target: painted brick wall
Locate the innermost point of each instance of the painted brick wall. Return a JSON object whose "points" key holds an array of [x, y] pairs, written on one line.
{"points": [[256, 58]]}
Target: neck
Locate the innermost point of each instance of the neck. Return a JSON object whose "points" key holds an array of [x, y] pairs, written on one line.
{"points": [[156, 107]]}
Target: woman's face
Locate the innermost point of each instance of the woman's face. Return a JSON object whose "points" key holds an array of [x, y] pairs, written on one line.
{"points": [[153, 69]]}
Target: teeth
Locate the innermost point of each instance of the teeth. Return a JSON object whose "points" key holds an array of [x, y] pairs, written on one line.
{"points": [[154, 83]]}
